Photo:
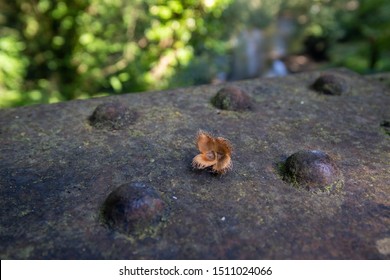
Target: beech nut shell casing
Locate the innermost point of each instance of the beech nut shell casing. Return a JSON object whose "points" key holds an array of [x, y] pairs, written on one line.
{"points": [[215, 153]]}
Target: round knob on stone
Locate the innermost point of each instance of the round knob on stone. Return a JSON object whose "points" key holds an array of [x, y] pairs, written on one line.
{"points": [[313, 170], [133, 207]]}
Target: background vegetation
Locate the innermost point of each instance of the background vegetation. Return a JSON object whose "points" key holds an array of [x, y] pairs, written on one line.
{"points": [[61, 50]]}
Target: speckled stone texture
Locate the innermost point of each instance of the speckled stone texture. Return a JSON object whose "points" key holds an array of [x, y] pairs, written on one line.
{"points": [[58, 168]]}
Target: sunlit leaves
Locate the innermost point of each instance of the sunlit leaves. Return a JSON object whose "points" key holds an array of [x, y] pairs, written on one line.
{"points": [[78, 48], [60, 10], [13, 64], [60, 50]]}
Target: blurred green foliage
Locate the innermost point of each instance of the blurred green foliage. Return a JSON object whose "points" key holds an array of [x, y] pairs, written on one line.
{"points": [[61, 50]]}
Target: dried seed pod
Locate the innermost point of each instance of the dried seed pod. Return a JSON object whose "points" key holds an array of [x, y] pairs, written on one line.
{"points": [[215, 153]]}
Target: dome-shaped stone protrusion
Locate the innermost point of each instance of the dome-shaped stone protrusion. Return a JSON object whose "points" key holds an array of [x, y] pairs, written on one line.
{"points": [[313, 170], [385, 124], [113, 115], [331, 84], [133, 208], [232, 98]]}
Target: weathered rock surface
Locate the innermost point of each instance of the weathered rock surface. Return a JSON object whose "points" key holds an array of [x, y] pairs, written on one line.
{"points": [[57, 170]]}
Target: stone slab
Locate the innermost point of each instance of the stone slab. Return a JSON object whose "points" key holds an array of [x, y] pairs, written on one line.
{"points": [[57, 169]]}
